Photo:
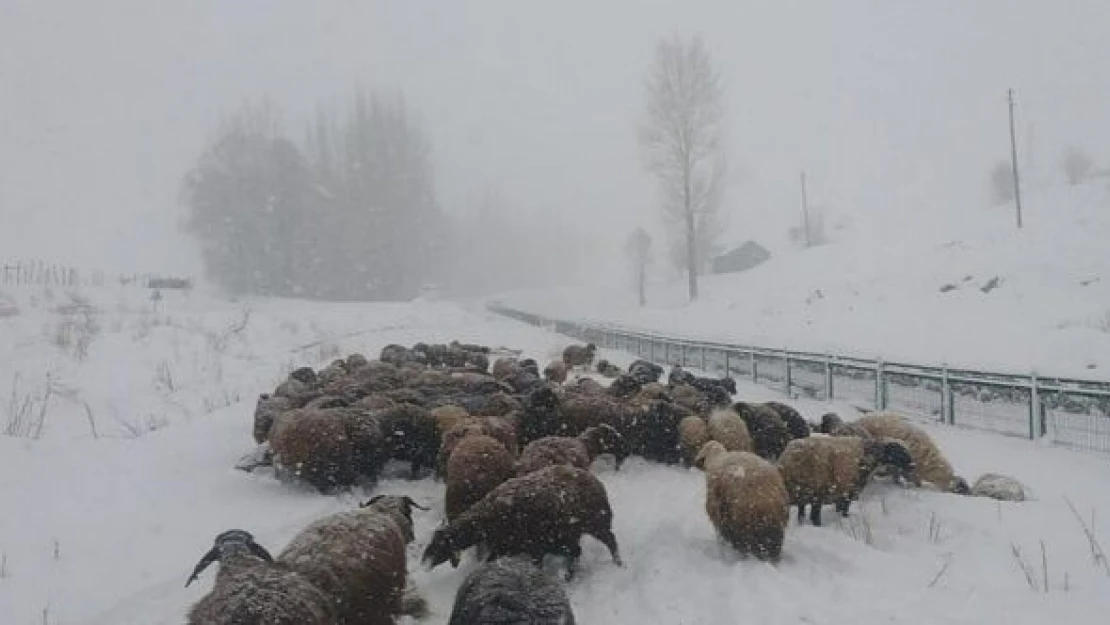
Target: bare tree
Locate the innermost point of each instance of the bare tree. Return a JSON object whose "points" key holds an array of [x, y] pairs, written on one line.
{"points": [[1077, 165], [638, 249], [681, 140]]}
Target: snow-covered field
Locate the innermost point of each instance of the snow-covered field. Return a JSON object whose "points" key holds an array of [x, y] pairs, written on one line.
{"points": [[914, 294], [104, 530]]}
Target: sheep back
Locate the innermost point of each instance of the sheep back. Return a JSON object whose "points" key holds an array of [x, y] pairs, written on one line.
{"points": [[727, 428], [534, 514], [746, 501], [555, 371], [358, 558], [552, 450], [693, 433], [263, 595], [477, 465], [510, 590], [328, 448]]}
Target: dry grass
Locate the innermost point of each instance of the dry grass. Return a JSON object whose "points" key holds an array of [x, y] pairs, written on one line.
{"points": [[26, 410], [1098, 556]]}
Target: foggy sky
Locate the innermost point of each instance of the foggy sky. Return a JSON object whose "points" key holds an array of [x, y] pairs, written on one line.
{"points": [[894, 107]]}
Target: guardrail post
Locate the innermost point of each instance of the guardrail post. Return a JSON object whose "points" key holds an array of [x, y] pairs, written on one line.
{"points": [[880, 401], [828, 378], [728, 364], [704, 362], [786, 372], [682, 355], [945, 397], [755, 368], [1035, 413]]}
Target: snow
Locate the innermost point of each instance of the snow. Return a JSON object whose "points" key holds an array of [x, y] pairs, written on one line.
{"points": [[872, 296], [104, 531]]}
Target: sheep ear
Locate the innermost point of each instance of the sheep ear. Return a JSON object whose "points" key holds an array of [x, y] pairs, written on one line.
{"points": [[210, 557], [260, 551]]}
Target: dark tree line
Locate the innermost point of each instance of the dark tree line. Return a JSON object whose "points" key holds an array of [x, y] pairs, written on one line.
{"points": [[348, 214]]}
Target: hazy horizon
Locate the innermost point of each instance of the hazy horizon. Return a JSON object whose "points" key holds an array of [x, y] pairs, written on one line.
{"points": [[894, 108]]}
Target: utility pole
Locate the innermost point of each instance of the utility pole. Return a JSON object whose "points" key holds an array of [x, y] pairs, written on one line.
{"points": [[1013, 159], [805, 210]]}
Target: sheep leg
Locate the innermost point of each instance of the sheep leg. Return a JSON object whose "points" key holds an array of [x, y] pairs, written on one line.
{"points": [[610, 541], [573, 552], [815, 513], [801, 513], [842, 506]]}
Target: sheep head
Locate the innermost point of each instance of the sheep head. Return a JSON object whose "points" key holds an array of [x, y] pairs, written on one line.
{"points": [[444, 546], [605, 439], [959, 486], [398, 506], [707, 452], [829, 422], [228, 543], [889, 452]]}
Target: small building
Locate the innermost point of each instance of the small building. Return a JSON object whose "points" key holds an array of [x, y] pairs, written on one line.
{"points": [[742, 258]]}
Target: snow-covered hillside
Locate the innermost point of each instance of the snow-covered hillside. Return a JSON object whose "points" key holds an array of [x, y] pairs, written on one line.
{"points": [[974, 293], [103, 531]]}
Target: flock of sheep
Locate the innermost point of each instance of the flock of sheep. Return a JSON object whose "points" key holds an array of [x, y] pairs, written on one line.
{"points": [[514, 445]]}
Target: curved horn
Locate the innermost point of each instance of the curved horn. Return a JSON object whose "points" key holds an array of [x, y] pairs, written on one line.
{"points": [[210, 557], [412, 503], [260, 551]]}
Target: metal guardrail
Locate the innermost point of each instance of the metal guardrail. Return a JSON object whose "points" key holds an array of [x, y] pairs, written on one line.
{"points": [[1069, 412]]}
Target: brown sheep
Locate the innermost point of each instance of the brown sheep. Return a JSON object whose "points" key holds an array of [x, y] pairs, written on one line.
{"points": [[582, 411], [356, 361], [500, 404], [477, 465], [266, 411], [447, 417], [746, 500], [252, 589], [505, 368], [769, 434], [821, 470], [555, 371], [328, 448], [540, 513], [932, 466], [499, 428], [693, 434], [410, 433], [728, 428], [578, 356], [578, 452], [375, 402], [359, 558]]}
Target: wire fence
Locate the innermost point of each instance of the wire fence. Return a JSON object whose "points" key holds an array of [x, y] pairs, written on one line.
{"points": [[1067, 412]]}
